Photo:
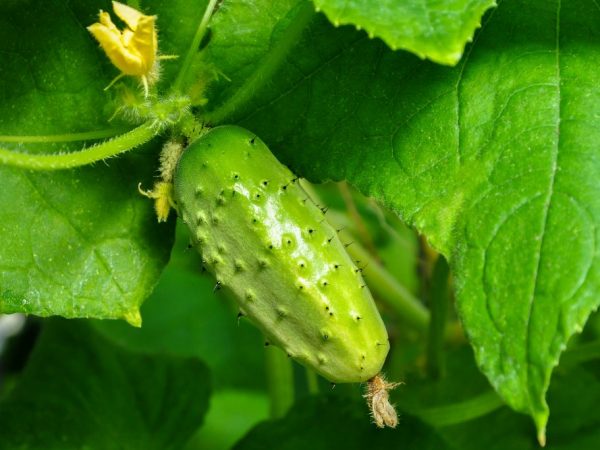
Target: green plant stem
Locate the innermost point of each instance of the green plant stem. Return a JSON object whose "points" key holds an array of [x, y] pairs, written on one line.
{"points": [[267, 67], [460, 412], [193, 50], [69, 137], [280, 379], [439, 299], [581, 353], [98, 152], [406, 306], [312, 381], [361, 228]]}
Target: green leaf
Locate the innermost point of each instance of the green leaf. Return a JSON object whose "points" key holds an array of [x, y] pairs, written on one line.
{"points": [[80, 391], [82, 243], [338, 422], [185, 317], [77, 243], [433, 30], [495, 161]]}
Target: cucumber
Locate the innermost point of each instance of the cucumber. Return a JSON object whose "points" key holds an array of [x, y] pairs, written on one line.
{"points": [[267, 243]]}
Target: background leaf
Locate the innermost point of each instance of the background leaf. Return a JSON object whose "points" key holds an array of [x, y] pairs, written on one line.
{"points": [[573, 424], [80, 391], [494, 161], [184, 317], [433, 30], [330, 421]]}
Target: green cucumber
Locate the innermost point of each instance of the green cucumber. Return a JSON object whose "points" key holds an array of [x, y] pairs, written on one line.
{"points": [[266, 242]]}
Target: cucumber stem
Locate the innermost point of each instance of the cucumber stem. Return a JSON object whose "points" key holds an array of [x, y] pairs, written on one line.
{"points": [[280, 379]]}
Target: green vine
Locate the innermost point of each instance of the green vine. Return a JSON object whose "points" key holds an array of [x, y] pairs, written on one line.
{"points": [[68, 137], [97, 152], [455, 413], [266, 68], [193, 49]]}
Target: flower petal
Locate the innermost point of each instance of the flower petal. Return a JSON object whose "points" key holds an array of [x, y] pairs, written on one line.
{"points": [[127, 14], [127, 61]]}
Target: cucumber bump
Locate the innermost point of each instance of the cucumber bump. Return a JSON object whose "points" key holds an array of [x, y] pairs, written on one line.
{"points": [[265, 241]]}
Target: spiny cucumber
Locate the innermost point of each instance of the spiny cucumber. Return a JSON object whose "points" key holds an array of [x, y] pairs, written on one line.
{"points": [[265, 241]]}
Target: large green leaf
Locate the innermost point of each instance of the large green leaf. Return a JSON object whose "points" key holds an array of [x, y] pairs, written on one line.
{"points": [[338, 422], [80, 391], [495, 161], [434, 30], [78, 243]]}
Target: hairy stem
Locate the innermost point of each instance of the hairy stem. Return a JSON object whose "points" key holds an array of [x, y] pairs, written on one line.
{"points": [[193, 50], [68, 160], [280, 379], [68, 137], [267, 67]]}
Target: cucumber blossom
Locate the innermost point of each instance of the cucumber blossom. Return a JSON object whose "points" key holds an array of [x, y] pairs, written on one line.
{"points": [[266, 242]]}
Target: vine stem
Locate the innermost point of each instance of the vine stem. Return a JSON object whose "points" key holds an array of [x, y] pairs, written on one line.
{"points": [[356, 217], [383, 284], [68, 160], [267, 67], [68, 137], [581, 353], [198, 36], [398, 298], [455, 413], [388, 289], [280, 379]]}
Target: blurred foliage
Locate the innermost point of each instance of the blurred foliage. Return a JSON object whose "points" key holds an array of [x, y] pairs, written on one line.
{"points": [[80, 391]]}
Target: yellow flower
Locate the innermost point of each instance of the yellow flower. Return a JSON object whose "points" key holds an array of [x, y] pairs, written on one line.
{"points": [[133, 50]]}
